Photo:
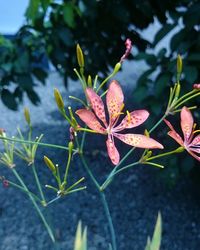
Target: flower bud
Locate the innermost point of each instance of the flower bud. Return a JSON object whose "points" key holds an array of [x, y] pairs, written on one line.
{"points": [[58, 99], [27, 116], [70, 146], [196, 86], [178, 88], [80, 56], [117, 68], [146, 132], [50, 164], [89, 81], [179, 64]]}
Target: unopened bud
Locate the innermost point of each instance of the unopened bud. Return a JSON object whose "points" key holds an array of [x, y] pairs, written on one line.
{"points": [[117, 68], [178, 88], [179, 64], [89, 81], [70, 146], [5, 183], [196, 86], [58, 99], [146, 132], [80, 56], [50, 164], [27, 116]]}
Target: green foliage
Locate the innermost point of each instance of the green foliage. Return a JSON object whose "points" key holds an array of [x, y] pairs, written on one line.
{"points": [[184, 42], [21, 64], [100, 27], [80, 242], [155, 243]]}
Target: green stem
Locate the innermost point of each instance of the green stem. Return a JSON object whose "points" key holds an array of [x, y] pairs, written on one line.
{"points": [[187, 99], [87, 130], [186, 95], [89, 172], [83, 140], [105, 205], [126, 167], [178, 150], [110, 176], [110, 223], [24, 190], [76, 190], [38, 183], [67, 167], [75, 184], [49, 230], [33, 142], [102, 84], [79, 100], [158, 123]]}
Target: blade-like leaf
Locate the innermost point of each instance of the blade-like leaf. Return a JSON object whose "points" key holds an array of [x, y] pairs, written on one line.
{"points": [[156, 240]]}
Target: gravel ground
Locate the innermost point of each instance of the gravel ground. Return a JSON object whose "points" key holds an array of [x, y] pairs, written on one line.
{"points": [[135, 197]]}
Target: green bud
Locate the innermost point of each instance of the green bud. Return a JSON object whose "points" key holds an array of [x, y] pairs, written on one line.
{"points": [[50, 164], [80, 56], [89, 81], [27, 116], [117, 68], [178, 88], [146, 132], [73, 119], [58, 99], [70, 146], [179, 64]]}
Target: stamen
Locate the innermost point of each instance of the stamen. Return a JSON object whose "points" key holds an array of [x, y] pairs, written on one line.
{"points": [[196, 131], [129, 117]]}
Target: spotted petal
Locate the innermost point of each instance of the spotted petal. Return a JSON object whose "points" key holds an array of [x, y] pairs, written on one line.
{"points": [[89, 118], [174, 134], [196, 141], [114, 100], [97, 105], [186, 123], [134, 119], [194, 155], [139, 141], [112, 151]]}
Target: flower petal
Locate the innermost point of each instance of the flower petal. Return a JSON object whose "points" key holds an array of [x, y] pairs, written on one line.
{"points": [[97, 105], [174, 134], [114, 100], [134, 119], [194, 155], [186, 123], [196, 141], [112, 151], [139, 141], [176, 137], [89, 118]]}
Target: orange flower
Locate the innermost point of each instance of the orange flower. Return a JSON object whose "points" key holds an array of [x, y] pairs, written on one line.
{"points": [[191, 143], [96, 120]]}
